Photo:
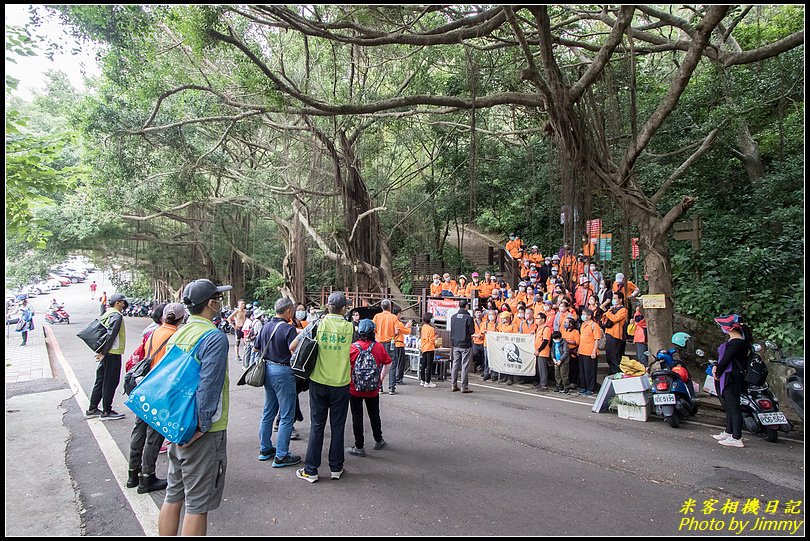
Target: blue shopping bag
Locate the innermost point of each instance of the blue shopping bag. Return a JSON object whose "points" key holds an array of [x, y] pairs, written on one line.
{"points": [[166, 399]]}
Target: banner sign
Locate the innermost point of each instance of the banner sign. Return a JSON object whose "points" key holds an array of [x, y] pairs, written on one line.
{"points": [[593, 228], [654, 301], [606, 247], [439, 307], [511, 353]]}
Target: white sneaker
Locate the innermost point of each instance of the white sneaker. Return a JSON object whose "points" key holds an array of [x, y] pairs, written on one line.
{"points": [[421, 383], [430, 385], [336, 474], [731, 442], [722, 436]]}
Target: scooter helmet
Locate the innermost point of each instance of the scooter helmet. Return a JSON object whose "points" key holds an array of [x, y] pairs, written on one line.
{"points": [[665, 356], [682, 373], [680, 339]]}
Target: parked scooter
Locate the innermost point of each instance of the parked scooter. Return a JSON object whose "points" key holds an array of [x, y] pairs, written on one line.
{"points": [[795, 380], [58, 315], [758, 405], [674, 394]]}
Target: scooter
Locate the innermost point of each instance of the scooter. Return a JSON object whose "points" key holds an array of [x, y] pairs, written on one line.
{"points": [[795, 380], [758, 405], [58, 315], [672, 388]]}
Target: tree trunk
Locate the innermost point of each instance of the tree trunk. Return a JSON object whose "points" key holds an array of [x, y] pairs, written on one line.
{"points": [[751, 158], [657, 266]]}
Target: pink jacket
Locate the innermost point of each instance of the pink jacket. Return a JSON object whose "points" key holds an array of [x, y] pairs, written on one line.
{"points": [[639, 337]]}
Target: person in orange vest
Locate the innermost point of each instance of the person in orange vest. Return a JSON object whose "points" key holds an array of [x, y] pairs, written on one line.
{"points": [[478, 340], [525, 268], [515, 246], [567, 264], [487, 285], [427, 345], [614, 321], [385, 324], [583, 292], [461, 286], [449, 286], [402, 329], [588, 248], [535, 256], [542, 341], [474, 286], [589, 334], [570, 334], [490, 325], [626, 287], [527, 324], [496, 298], [505, 324], [550, 312], [521, 294], [436, 286]]}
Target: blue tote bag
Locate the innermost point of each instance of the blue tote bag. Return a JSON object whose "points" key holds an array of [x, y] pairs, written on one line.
{"points": [[166, 399]]}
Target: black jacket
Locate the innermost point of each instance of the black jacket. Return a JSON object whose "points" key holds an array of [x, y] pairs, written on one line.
{"points": [[461, 329]]}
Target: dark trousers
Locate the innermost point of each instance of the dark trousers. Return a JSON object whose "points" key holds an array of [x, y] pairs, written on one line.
{"points": [[587, 372], [573, 370], [614, 349], [734, 421], [478, 356], [24, 337], [332, 402], [400, 363], [426, 365], [103, 308], [373, 409], [108, 375], [144, 447], [541, 371]]}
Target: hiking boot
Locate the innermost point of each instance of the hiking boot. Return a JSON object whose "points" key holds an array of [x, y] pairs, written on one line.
{"points": [[133, 479], [111, 415], [465, 391], [90, 413], [150, 483], [336, 475], [454, 389], [379, 445], [302, 474], [289, 460], [486, 377], [355, 451], [510, 381]]}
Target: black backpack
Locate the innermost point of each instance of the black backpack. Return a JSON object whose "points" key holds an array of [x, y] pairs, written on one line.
{"points": [[757, 371], [365, 373], [136, 374], [306, 354]]}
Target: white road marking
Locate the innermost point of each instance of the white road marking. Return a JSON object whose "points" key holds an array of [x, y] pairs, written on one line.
{"points": [[145, 509]]}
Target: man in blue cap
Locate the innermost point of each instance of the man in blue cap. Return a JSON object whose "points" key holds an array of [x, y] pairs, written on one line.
{"points": [[196, 475]]}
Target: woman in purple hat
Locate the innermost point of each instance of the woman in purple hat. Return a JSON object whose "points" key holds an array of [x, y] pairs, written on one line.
{"points": [[733, 359]]}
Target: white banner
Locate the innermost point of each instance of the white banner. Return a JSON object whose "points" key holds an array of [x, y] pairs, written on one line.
{"points": [[511, 353]]}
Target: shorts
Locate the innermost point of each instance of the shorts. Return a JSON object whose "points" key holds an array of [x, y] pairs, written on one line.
{"points": [[197, 473], [238, 334]]}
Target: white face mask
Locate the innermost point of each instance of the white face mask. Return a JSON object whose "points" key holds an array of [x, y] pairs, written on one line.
{"points": [[614, 302], [437, 281], [491, 317], [300, 314]]}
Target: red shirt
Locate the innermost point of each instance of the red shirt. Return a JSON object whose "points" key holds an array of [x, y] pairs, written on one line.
{"points": [[379, 354]]}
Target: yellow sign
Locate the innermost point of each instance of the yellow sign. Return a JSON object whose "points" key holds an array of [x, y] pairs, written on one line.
{"points": [[654, 301]]}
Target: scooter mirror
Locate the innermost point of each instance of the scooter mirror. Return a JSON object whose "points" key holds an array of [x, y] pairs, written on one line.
{"points": [[757, 348], [700, 353], [770, 345]]}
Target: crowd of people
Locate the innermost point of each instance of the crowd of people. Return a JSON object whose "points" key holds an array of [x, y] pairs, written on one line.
{"points": [[561, 299]]}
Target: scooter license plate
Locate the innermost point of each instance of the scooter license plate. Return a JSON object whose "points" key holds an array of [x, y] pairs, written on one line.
{"points": [[663, 399], [776, 418]]}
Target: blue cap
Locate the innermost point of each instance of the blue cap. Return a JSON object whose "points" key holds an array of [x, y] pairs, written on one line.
{"points": [[366, 326]]}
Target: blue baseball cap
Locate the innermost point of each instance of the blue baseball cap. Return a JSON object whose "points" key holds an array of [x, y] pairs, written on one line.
{"points": [[366, 326]]}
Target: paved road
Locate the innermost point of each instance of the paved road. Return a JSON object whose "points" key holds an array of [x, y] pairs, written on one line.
{"points": [[495, 462]]}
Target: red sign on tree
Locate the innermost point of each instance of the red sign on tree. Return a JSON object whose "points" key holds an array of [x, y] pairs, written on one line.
{"points": [[593, 227], [634, 247]]}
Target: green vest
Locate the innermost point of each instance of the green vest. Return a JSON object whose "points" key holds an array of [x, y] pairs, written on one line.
{"points": [[120, 342], [334, 342], [186, 338]]}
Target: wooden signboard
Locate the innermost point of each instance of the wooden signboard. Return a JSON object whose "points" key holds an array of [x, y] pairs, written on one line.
{"points": [[654, 301]]}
